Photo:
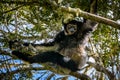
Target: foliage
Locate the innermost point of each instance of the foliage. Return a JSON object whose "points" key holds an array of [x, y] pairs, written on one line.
{"points": [[37, 20]]}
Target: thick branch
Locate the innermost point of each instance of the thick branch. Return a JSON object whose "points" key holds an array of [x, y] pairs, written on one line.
{"points": [[90, 16], [75, 11]]}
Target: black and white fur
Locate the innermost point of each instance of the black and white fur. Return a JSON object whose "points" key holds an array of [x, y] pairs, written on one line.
{"points": [[71, 44]]}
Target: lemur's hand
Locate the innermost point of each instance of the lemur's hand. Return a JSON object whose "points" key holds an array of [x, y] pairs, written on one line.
{"points": [[13, 44]]}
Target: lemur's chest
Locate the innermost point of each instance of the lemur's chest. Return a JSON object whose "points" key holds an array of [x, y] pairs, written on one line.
{"points": [[69, 42], [72, 47]]}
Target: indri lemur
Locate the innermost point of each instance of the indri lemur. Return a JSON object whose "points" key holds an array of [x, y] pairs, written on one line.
{"points": [[71, 44]]}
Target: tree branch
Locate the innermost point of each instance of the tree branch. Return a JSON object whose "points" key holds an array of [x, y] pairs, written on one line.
{"points": [[12, 9], [75, 74], [46, 67], [19, 2], [79, 12], [100, 68], [80, 76], [75, 11]]}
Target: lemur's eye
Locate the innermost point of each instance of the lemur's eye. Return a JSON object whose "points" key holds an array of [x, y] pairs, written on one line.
{"points": [[71, 29]]}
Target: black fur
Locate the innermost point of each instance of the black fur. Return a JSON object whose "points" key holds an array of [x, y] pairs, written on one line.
{"points": [[50, 56]]}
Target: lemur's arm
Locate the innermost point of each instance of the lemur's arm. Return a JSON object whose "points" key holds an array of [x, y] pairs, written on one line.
{"points": [[59, 37], [89, 25], [52, 43], [14, 44]]}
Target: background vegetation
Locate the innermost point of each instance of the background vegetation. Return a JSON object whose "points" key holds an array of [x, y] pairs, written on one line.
{"points": [[38, 21]]}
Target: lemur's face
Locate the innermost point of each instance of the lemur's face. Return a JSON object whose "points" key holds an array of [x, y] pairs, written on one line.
{"points": [[70, 29]]}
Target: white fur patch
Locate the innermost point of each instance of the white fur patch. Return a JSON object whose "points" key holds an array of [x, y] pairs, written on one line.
{"points": [[66, 59]]}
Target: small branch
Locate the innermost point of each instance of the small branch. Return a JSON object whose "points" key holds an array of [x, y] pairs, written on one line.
{"points": [[20, 70], [12, 9], [80, 76], [2, 52], [100, 68], [19, 2]]}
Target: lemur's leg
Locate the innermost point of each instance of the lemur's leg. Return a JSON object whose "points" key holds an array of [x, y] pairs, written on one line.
{"points": [[50, 56]]}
